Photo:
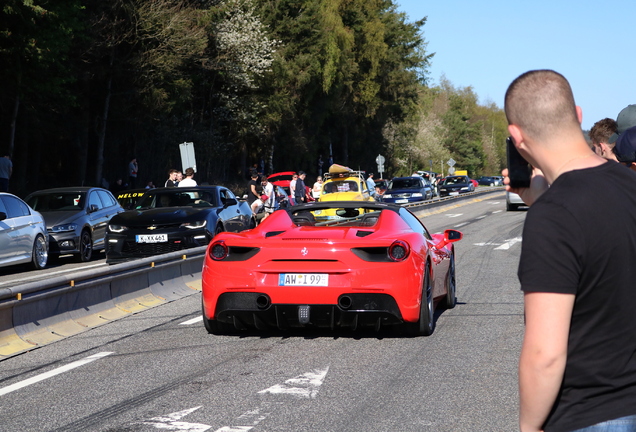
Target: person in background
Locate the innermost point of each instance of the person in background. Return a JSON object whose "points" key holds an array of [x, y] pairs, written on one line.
{"points": [[370, 184], [292, 189], [315, 191], [189, 179], [625, 148], [118, 186], [626, 119], [600, 134], [179, 178], [299, 189], [6, 169], [172, 178], [150, 185], [269, 205], [133, 168], [577, 368], [252, 188]]}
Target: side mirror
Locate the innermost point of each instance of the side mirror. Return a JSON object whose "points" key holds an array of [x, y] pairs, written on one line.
{"points": [[3, 216], [92, 208], [450, 236], [230, 202]]}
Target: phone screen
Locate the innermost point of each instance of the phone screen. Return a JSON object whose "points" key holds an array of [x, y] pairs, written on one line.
{"points": [[519, 170]]}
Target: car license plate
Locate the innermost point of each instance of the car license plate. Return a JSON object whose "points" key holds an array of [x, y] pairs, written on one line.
{"points": [[401, 201], [152, 238], [303, 279], [454, 193]]}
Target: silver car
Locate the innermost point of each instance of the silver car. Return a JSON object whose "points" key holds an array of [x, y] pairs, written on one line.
{"points": [[23, 236], [513, 201], [76, 218]]}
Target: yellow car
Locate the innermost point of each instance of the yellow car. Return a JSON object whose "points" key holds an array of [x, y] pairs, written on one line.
{"points": [[342, 184]]}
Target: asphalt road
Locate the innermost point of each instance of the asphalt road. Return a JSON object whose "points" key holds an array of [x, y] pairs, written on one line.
{"points": [[160, 370]]}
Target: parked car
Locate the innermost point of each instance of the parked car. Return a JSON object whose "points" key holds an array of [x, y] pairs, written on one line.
{"points": [[513, 201], [172, 219], [376, 266], [489, 181], [76, 218], [23, 236], [454, 185], [404, 190], [128, 198]]}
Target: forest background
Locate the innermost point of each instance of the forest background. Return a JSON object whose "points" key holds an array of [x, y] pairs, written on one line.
{"points": [[87, 86]]}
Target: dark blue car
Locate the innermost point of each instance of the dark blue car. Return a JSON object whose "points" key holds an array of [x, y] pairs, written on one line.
{"points": [[171, 219], [404, 190]]}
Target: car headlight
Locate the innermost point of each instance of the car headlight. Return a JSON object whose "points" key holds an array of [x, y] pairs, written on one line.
{"points": [[64, 228], [195, 224], [465, 188], [416, 194], [117, 228], [386, 195]]}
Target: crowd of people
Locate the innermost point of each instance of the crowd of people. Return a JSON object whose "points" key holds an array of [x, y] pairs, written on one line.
{"points": [[577, 368]]}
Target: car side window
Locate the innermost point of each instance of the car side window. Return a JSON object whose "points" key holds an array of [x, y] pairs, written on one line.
{"points": [[415, 224], [3, 209], [93, 198], [15, 207], [107, 199]]}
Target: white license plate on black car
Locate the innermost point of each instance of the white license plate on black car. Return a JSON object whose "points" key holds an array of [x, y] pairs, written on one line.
{"points": [[152, 238], [303, 279], [454, 193], [401, 201]]}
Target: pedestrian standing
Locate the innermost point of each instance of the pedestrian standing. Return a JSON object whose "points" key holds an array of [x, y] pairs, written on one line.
{"points": [[577, 368], [133, 168], [292, 189], [299, 190], [189, 179], [317, 189], [252, 189], [172, 178], [6, 169]]}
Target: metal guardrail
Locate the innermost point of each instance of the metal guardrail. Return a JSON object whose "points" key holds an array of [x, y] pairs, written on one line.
{"points": [[36, 313]]}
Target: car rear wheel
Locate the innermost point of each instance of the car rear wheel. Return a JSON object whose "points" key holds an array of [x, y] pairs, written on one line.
{"points": [[215, 327], [426, 324], [511, 207], [85, 247], [219, 229], [40, 255], [451, 288]]}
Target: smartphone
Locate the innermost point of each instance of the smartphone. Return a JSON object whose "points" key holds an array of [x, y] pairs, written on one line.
{"points": [[519, 170]]}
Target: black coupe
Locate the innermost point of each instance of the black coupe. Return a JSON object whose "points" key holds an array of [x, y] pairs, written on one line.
{"points": [[171, 219]]}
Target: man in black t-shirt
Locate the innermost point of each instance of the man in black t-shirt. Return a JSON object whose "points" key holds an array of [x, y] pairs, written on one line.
{"points": [[252, 188], [578, 365]]}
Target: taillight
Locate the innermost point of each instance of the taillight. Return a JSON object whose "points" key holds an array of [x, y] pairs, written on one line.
{"points": [[399, 250], [219, 250]]}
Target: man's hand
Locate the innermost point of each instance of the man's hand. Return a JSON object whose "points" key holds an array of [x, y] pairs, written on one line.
{"points": [[538, 185]]}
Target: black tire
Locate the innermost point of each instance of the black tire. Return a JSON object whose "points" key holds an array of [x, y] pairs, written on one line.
{"points": [[252, 223], [511, 207], [451, 288], [426, 324], [85, 247], [39, 255], [214, 327], [219, 229]]}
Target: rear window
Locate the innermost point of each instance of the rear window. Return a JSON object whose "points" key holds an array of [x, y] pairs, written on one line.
{"points": [[337, 217], [67, 201], [405, 184], [340, 186]]}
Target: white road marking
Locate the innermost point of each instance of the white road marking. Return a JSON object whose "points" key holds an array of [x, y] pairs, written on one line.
{"points": [[509, 243], [171, 422], [454, 215], [52, 373], [39, 276], [497, 211], [460, 225], [192, 321], [250, 419], [304, 386], [494, 202], [481, 217]]}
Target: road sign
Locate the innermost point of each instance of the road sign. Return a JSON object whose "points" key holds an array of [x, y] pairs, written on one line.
{"points": [[451, 171], [380, 168], [451, 162], [187, 156], [379, 160]]}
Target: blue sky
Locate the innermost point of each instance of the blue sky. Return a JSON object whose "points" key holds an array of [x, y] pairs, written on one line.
{"points": [[486, 44]]}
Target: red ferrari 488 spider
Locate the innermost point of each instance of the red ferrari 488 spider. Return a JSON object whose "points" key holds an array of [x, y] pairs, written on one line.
{"points": [[372, 265]]}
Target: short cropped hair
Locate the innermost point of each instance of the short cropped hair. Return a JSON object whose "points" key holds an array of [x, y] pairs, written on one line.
{"points": [[602, 130], [189, 172], [541, 103]]}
